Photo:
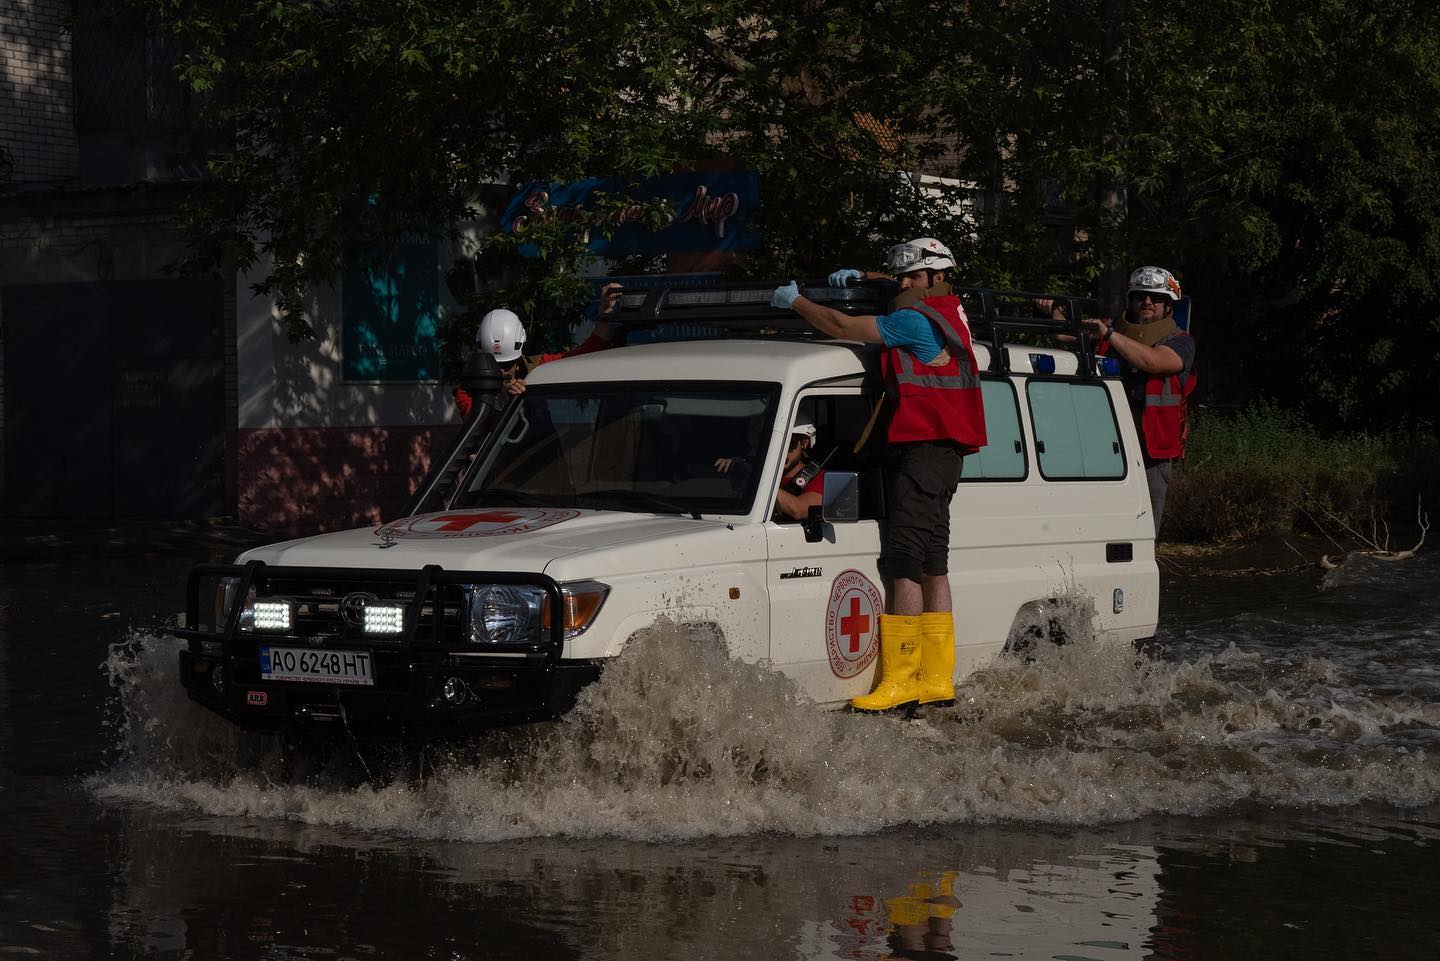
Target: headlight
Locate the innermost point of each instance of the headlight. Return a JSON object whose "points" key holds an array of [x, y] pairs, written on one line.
{"points": [[503, 614], [225, 589]]}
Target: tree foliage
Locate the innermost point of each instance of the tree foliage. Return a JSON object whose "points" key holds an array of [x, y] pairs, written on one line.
{"points": [[1282, 157]]}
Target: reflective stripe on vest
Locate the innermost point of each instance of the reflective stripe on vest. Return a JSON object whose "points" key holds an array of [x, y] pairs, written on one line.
{"points": [[1167, 396], [962, 379]]}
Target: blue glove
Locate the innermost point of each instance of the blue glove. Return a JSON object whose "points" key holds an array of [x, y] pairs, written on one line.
{"points": [[842, 277], [785, 296]]}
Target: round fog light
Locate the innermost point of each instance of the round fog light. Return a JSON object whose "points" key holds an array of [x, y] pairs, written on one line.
{"points": [[217, 679], [455, 691]]}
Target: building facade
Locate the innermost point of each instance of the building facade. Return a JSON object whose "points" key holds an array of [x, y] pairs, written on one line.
{"points": [[129, 390]]}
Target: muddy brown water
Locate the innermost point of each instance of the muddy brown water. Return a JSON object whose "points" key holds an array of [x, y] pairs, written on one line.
{"points": [[1265, 783]]}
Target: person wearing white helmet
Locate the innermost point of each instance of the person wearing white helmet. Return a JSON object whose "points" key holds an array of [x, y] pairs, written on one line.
{"points": [[803, 482], [502, 336], [937, 416], [1157, 359]]}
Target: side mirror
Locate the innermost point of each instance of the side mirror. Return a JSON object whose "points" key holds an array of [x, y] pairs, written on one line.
{"points": [[841, 498]]}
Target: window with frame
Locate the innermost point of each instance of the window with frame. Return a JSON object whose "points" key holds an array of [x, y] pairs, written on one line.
{"points": [[1003, 456], [1076, 434], [642, 446], [840, 419]]}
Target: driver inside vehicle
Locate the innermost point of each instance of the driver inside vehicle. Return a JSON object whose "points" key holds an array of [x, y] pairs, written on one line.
{"points": [[802, 483]]}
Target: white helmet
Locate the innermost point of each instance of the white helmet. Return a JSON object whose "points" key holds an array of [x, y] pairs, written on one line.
{"points": [[1155, 280], [922, 253], [804, 427], [501, 334]]}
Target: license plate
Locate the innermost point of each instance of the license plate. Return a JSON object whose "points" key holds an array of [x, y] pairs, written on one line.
{"points": [[317, 666]]}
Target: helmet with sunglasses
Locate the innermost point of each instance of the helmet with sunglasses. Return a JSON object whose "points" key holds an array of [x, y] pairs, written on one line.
{"points": [[1155, 280], [501, 335], [923, 253]]}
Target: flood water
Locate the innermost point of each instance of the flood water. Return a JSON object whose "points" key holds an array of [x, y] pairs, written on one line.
{"points": [[1263, 784]]}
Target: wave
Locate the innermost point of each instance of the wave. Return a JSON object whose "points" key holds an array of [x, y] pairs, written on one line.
{"points": [[679, 740]]}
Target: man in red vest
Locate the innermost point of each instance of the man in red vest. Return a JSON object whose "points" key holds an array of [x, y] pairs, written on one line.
{"points": [[938, 416], [1157, 357]]}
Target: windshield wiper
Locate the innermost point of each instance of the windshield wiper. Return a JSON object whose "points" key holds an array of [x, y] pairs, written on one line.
{"points": [[639, 499], [508, 495]]}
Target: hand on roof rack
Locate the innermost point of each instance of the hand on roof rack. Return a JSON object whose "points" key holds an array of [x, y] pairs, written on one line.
{"points": [[1052, 306], [608, 297], [785, 295]]}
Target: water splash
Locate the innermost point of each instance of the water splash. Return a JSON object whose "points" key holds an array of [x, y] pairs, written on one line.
{"points": [[679, 740]]}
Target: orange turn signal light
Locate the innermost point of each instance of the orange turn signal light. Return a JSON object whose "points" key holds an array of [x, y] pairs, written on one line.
{"points": [[580, 602]]}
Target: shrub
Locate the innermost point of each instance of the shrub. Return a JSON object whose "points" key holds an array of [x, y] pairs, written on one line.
{"points": [[1265, 469]]}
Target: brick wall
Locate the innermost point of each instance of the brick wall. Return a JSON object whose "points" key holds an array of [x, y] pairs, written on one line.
{"points": [[301, 480], [37, 115]]}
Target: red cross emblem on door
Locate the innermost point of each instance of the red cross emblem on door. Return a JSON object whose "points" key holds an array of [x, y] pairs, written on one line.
{"points": [[854, 625], [851, 621]]}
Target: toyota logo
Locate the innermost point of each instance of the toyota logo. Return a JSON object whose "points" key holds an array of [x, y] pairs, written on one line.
{"points": [[352, 607]]}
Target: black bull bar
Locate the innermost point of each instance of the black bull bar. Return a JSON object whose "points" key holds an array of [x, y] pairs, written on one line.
{"points": [[516, 683], [258, 575]]}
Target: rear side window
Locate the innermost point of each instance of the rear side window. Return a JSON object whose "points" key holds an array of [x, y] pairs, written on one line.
{"points": [[1003, 456], [1076, 435]]}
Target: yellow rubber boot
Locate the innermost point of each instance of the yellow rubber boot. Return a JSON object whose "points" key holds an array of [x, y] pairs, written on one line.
{"points": [[937, 659], [906, 911], [944, 902], [899, 665]]}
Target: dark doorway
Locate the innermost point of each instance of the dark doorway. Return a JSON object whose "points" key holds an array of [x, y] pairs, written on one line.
{"points": [[114, 400]]}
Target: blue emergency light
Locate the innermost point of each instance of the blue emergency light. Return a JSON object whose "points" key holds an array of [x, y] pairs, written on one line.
{"points": [[1042, 363]]}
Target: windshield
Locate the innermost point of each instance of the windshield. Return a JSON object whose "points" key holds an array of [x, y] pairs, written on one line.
{"points": [[653, 448]]}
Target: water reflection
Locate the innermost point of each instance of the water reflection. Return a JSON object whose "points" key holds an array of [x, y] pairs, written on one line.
{"points": [[1233, 890], [305, 890]]}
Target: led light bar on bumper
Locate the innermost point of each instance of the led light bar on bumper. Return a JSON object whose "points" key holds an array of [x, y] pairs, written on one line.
{"points": [[266, 616], [383, 619], [501, 614]]}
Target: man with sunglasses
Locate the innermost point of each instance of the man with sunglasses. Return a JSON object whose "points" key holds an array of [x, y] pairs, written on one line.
{"points": [[1157, 357], [932, 384]]}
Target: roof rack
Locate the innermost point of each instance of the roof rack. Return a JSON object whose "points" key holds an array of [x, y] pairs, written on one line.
{"points": [[724, 309], [996, 313], [731, 309]]}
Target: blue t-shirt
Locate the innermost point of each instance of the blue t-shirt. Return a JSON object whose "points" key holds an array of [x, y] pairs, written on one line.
{"points": [[912, 330]]}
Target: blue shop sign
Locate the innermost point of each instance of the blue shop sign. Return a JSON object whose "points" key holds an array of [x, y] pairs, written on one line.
{"points": [[711, 211]]}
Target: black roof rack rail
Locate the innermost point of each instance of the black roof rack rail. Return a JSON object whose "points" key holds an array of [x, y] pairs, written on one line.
{"points": [[729, 308], [743, 309], [995, 313]]}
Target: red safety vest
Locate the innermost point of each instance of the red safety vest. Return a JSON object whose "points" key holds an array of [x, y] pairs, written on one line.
{"points": [[1163, 416], [937, 402]]}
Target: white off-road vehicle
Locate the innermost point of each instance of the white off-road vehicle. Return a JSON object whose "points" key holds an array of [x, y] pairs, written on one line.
{"points": [[565, 521]]}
